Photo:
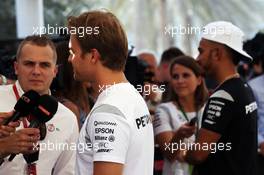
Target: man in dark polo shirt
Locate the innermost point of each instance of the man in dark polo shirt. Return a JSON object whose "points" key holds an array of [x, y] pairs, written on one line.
{"points": [[227, 141]]}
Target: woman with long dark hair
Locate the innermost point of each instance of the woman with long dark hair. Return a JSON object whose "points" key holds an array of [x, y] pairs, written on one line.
{"points": [[187, 100]]}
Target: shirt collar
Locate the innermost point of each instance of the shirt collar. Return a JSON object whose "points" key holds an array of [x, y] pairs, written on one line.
{"points": [[20, 90]]}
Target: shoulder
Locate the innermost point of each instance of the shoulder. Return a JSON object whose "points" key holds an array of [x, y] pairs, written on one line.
{"points": [[5, 89], [124, 98], [7, 98], [66, 113], [222, 94], [167, 105], [231, 90]]}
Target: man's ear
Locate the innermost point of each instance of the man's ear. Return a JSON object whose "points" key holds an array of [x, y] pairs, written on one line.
{"points": [[16, 67], [95, 55], [56, 69], [216, 53]]}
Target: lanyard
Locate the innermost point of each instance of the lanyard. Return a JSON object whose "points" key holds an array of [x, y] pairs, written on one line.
{"points": [[31, 169], [187, 119]]}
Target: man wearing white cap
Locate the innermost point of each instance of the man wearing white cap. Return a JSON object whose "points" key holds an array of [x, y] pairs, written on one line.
{"points": [[227, 140]]}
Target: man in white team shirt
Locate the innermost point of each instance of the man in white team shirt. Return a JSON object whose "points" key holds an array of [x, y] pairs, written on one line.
{"points": [[35, 68], [117, 136]]}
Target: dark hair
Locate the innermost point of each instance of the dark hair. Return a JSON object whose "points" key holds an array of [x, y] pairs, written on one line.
{"points": [[109, 39], [38, 40], [171, 53], [236, 57], [65, 85], [201, 93]]}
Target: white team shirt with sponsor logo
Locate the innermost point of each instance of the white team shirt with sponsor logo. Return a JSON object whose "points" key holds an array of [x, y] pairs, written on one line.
{"points": [[118, 129]]}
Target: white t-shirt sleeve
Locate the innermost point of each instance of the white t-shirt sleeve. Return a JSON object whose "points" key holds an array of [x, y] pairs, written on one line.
{"points": [[110, 137], [162, 120]]}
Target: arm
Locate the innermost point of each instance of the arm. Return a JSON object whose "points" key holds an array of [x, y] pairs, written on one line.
{"points": [[107, 168], [204, 137], [109, 156], [216, 117], [166, 139]]}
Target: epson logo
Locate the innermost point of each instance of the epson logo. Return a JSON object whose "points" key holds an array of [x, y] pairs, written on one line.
{"points": [[143, 121], [104, 123], [104, 130]]}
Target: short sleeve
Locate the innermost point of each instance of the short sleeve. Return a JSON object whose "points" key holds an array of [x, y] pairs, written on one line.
{"points": [[110, 137], [218, 113], [162, 120]]}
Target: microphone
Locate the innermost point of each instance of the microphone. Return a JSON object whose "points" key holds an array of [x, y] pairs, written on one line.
{"points": [[24, 105], [43, 112]]}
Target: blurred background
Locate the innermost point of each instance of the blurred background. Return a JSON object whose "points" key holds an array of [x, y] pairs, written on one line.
{"points": [[145, 21]]}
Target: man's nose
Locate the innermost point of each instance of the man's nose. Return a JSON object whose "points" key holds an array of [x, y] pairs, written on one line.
{"points": [[198, 58], [36, 69]]}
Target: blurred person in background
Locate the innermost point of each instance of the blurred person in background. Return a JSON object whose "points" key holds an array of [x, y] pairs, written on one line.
{"points": [[257, 85], [189, 95], [71, 93], [163, 73], [151, 92], [255, 49]]}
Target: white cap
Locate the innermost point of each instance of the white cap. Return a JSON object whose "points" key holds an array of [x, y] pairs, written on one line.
{"points": [[226, 33]]}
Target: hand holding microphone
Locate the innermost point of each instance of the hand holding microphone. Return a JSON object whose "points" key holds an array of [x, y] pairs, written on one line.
{"points": [[24, 106], [9, 121], [44, 111], [7, 130], [19, 142]]}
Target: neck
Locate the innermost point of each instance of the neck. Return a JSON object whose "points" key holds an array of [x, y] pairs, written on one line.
{"points": [[188, 103], [108, 78], [224, 74]]}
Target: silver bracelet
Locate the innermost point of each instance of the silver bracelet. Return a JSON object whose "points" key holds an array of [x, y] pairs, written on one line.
{"points": [[4, 80]]}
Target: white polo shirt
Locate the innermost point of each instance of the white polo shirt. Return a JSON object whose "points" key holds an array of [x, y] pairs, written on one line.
{"points": [[118, 129], [61, 129]]}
